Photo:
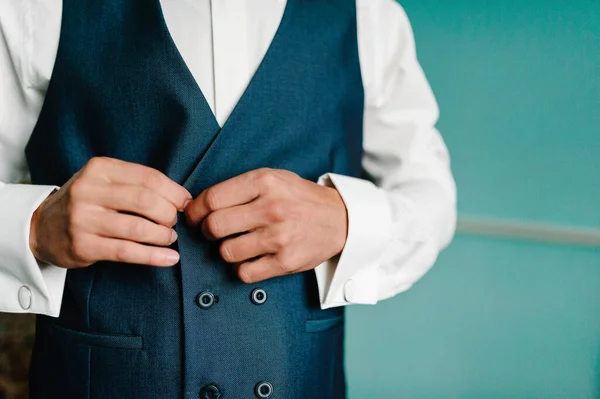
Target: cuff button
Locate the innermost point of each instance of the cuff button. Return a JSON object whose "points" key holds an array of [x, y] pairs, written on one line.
{"points": [[25, 297], [349, 290]]}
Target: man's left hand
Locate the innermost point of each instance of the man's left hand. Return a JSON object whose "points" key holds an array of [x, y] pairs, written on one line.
{"points": [[272, 222]]}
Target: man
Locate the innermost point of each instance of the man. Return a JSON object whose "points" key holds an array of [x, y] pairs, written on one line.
{"points": [[192, 163]]}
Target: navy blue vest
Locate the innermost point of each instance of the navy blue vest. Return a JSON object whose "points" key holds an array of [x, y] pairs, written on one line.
{"points": [[121, 89]]}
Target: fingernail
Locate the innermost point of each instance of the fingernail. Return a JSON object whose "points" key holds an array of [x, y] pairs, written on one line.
{"points": [[172, 258], [173, 236], [186, 203]]}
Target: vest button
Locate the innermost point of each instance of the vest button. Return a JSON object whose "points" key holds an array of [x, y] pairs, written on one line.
{"points": [[258, 296], [210, 391], [263, 390], [205, 299]]}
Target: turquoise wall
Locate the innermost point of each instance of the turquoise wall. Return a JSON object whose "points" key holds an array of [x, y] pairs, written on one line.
{"points": [[518, 84]]}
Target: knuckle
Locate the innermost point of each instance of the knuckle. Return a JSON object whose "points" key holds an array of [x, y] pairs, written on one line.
{"points": [[213, 225], [276, 211], [263, 171], [211, 201], [95, 164], [78, 189], [281, 239], [150, 177], [227, 252], [244, 274], [122, 253], [266, 179], [172, 216], [145, 199], [136, 229], [288, 174]]}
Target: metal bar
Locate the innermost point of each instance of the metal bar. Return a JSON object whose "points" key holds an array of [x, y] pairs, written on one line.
{"points": [[529, 231]]}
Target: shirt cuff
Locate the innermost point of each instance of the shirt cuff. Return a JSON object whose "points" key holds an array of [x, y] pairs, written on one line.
{"points": [[353, 276], [27, 286]]}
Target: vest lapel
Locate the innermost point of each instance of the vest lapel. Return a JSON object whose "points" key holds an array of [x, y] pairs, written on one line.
{"points": [[188, 147], [178, 167], [239, 123]]}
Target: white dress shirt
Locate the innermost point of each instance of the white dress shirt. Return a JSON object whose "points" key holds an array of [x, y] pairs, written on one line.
{"points": [[398, 222]]}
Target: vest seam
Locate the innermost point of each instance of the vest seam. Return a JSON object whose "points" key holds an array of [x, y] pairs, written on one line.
{"points": [[89, 298]]}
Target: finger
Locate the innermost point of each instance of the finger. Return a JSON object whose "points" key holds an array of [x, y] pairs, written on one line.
{"points": [[134, 228], [124, 251], [235, 220], [238, 190], [136, 199], [247, 246], [121, 172], [263, 268]]}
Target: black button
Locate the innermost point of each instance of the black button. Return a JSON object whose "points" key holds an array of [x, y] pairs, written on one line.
{"points": [[258, 296], [205, 299], [263, 390], [210, 391]]}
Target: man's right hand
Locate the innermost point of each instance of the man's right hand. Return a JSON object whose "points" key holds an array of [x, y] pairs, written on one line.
{"points": [[110, 210]]}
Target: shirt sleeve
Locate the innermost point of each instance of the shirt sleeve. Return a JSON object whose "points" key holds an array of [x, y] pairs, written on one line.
{"points": [[405, 214], [26, 286]]}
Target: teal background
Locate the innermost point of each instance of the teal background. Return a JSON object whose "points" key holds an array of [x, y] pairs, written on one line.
{"points": [[518, 83]]}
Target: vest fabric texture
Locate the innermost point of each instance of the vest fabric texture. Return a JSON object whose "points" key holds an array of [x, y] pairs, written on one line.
{"points": [[121, 89]]}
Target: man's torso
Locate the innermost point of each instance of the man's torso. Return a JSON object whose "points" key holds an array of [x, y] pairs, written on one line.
{"points": [[121, 89]]}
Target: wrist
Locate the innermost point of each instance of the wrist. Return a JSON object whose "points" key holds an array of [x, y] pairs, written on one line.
{"points": [[34, 242], [340, 219]]}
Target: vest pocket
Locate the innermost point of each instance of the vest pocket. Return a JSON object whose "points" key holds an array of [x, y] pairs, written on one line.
{"points": [[113, 362], [324, 352], [318, 325], [74, 364], [97, 339]]}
